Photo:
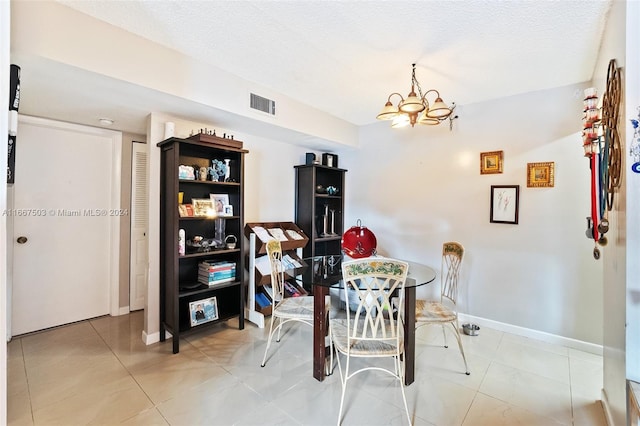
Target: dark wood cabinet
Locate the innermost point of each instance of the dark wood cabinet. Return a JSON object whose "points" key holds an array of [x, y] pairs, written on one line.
{"points": [[179, 283], [320, 207]]}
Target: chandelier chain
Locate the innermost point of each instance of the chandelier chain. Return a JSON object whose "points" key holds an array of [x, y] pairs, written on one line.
{"points": [[415, 81]]}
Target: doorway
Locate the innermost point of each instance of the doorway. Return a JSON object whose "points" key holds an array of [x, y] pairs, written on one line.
{"points": [[66, 224]]}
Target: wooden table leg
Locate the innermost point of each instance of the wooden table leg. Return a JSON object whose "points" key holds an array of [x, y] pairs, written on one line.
{"points": [[319, 331], [409, 334]]}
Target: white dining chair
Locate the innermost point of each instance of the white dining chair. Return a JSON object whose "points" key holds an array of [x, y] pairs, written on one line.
{"points": [[373, 331], [285, 309], [444, 311]]}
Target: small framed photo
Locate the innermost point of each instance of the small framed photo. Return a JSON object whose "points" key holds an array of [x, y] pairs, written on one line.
{"points": [[228, 210], [185, 210], [540, 175], [504, 204], [204, 310], [219, 201], [491, 162], [330, 160], [202, 207]]}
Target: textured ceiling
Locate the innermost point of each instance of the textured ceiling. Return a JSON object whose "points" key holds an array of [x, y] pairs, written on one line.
{"points": [[345, 57]]}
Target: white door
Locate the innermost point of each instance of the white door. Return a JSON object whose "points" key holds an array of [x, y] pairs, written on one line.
{"points": [[139, 265], [62, 240]]}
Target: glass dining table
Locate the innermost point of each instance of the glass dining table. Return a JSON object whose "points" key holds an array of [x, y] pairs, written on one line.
{"points": [[321, 273]]}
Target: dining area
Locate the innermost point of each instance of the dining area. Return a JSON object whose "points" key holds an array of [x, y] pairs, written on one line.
{"points": [[364, 306]]}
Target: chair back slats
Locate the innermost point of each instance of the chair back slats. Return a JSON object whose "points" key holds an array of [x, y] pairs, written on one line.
{"points": [[452, 255], [372, 282], [274, 251]]}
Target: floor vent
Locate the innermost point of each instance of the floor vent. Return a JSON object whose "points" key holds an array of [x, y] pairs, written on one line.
{"points": [[263, 104]]}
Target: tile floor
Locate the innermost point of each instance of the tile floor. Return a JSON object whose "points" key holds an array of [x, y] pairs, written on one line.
{"points": [[99, 372]]}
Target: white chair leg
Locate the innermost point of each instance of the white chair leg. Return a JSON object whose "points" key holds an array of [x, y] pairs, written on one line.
{"points": [[264, 358], [445, 336], [343, 382], [459, 339], [329, 368], [400, 368]]}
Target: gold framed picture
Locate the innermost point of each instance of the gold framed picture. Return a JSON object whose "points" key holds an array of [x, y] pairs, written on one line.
{"points": [[491, 162], [203, 207], [540, 175]]}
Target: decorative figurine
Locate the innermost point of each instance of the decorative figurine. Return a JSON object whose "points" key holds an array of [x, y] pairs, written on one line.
{"points": [[203, 173], [227, 172]]}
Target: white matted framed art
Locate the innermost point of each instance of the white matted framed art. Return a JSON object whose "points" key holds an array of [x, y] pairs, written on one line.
{"points": [[504, 204]]}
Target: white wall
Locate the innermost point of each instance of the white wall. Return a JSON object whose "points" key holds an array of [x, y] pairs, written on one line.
{"points": [[632, 94], [416, 188], [614, 257]]}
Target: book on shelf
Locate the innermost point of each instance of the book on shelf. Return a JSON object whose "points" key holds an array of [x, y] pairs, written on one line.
{"points": [[216, 277], [291, 290], [278, 234], [262, 300], [216, 266], [294, 235], [269, 290], [211, 283], [185, 210], [289, 262]]}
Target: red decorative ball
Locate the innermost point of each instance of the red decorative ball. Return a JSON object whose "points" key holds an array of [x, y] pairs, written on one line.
{"points": [[359, 242]]}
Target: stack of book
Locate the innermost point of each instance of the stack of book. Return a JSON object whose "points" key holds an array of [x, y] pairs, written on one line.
{"points": [[214, 273]]}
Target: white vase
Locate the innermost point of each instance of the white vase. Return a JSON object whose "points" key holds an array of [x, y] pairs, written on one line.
{"points": [[227, 174]]}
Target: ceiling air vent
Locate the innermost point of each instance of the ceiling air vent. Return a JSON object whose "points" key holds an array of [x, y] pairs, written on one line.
{"points": [[263, 104]]}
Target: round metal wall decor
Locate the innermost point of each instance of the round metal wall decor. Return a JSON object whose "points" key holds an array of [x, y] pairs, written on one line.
{"points": [[610, 109]]}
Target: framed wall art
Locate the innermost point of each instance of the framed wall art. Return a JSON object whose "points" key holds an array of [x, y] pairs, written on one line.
{"points": [[504, 204], [540, 175], [491, 162]]}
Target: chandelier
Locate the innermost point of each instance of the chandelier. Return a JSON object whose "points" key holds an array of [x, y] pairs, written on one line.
{"points": [[416, 109]]}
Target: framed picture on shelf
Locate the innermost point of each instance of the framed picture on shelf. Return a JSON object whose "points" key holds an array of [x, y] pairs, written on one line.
{"points": [[540, 175], [185, 210], [504, 204], [204, 310], [228, 210], [491, 162], [330, 160], [202, 207], [219, 201]]}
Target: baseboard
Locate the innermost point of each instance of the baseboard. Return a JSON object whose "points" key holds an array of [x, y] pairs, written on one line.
{"points": [[150, 339], [533, 334]]}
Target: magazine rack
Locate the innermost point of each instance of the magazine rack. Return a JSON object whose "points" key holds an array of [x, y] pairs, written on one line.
{"points": [[258, 234]]}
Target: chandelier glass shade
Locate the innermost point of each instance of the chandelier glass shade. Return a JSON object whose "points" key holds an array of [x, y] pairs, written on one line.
{"points": [[415, 108]]}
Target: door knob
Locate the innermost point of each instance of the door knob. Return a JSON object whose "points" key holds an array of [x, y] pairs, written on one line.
{"points": [[21, 240]]}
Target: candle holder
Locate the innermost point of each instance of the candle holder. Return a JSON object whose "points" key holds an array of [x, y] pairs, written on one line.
{"points": [[333, 223], [325, 222]]}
